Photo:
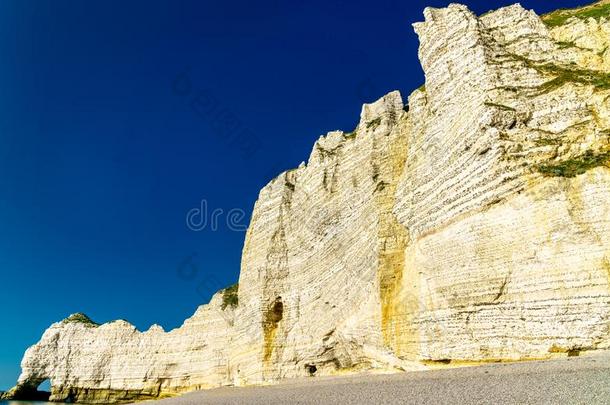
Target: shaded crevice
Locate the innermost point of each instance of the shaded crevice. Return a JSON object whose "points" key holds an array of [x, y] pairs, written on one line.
{"points": [[503, 286], [272, 318]]}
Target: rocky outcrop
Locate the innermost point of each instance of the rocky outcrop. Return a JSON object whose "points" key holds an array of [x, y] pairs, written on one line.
{"points": [[114, 362], [471, 225]]}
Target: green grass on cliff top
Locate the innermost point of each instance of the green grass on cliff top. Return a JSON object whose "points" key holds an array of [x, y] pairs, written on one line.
{"points": [[80, 318], [559, 17]]}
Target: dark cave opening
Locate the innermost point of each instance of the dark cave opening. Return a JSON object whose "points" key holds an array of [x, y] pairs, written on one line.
{"points": [[28, 391], [311, 369], [277, 311]]}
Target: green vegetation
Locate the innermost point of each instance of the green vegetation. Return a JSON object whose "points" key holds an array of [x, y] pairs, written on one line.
{"points": [[374, 123], [575, 166], [81, 318], [350, 134], [229, 296], [547, 142], [500, 106], [564, 44], [599, 80], [573, 74], [559, 17]]}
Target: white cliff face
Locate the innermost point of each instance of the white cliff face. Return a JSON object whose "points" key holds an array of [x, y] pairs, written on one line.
{"points": [[504, 191], [473, 227], [115, 362], [319, 236]]}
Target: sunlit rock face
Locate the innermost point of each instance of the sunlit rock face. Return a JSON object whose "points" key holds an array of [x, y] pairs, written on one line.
{"points": [[114, 362], [471, 225], [322, 248], [505, 189]]}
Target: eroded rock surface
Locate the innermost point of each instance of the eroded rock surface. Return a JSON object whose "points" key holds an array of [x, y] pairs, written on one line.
{"points": [[471, 225]]}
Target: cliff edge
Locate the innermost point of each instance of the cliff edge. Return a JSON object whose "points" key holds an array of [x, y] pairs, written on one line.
{"points": [[470, 224]]}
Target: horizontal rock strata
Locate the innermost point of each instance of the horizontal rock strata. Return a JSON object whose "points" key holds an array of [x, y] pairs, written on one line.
{"points": [[470, 225]]}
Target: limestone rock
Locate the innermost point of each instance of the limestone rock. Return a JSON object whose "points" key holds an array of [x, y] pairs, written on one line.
{"points": [[471, 225]]}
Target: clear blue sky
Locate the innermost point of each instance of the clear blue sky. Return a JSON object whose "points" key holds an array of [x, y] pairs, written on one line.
{"points": [[102, 153]]}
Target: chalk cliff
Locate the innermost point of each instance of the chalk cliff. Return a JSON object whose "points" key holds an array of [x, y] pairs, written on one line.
{"points": [[470, 224]]}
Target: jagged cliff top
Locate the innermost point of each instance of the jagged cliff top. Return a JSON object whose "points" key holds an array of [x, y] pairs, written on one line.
{"points": [[472, 227]]}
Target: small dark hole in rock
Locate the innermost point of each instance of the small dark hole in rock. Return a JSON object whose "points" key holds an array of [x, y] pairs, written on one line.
{"points": [[573, 353], [311, 369], [484, 151]]}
